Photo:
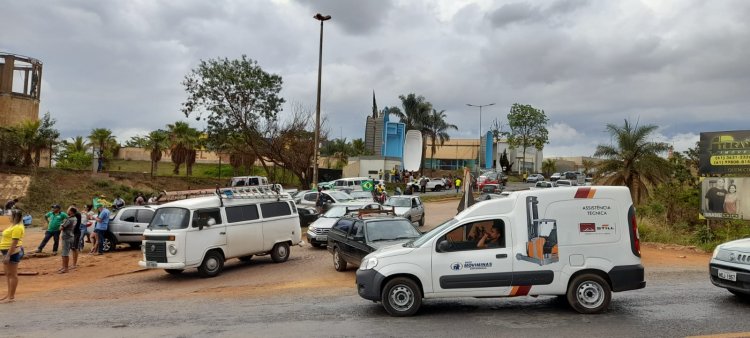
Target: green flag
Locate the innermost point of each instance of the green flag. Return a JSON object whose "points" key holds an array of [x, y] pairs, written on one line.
{"points": [[367, 186]]}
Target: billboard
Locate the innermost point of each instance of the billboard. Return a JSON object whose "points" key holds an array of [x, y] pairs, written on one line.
{"points": [[725, 198], [725, 152]]}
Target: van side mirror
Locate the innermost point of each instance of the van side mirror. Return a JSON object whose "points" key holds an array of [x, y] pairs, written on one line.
{"points": [[444, 246]]}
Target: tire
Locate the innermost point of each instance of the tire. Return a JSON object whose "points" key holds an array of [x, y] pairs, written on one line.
{"points": [[315, 245], [401, 297], [589, 293], [421, 221], [245, 259], [439, 188], [110, 242], [280, 252], [173, 271], [338, 262], [135, 245], [212, 264]]}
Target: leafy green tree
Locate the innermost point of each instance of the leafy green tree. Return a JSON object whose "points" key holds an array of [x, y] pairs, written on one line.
{"points": [[436, 128], [183, 140], [528, 128], [48, 136], [105, 141], [358, 147], [73, 154], [235, 96], [156, 142], [29, 140], [549, 166], [633, 161]]}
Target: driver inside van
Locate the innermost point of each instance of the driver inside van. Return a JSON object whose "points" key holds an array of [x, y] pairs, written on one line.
{"points": [[492, 238]]}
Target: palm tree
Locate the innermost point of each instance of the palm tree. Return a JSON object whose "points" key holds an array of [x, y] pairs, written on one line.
{"points": [[587, 166], [437, 129], [415, 116], [28, 138], [634, 161], [76, 144], [182, 141], [103, 138], [549, 166]]}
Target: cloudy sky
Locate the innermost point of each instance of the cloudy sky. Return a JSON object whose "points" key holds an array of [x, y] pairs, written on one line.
{"points": [[682, 65]]}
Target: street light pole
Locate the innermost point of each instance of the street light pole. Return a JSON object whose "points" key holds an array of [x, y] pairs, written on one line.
{"points": [[320, 18], [479, 165]]}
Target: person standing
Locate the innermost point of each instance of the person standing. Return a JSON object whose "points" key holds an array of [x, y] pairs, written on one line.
{"points": [[458, 184], [423, 184], [715, 197], [68, 238], [54, 219], [86, 217], [11, 246], [118, 203], [101, 226], [10, 205], [140, 200]]}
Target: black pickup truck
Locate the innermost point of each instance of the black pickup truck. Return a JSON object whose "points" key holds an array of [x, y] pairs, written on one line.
{"points": [[353, 237]]}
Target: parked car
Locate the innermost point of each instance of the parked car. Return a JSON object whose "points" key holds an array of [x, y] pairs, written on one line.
{"points": [[307, 215], [533, 178], [364, 196], [565, 183], [543, 185], [126, 226], [730, 267], [555, 177], [353, 238], [409, 207], [330, 197], [488, 190], [578, 177], [317, 232], [434, 184], [243, 181], [492, 177]]}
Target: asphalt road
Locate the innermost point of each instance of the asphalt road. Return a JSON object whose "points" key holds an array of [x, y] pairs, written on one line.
{"points": [[674, 304]]}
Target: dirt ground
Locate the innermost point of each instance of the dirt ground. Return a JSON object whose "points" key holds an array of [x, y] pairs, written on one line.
{"points": [[117, 275]]}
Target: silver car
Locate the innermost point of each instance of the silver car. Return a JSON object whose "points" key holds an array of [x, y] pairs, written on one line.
{"points": [[127, 226], [409, 207]]}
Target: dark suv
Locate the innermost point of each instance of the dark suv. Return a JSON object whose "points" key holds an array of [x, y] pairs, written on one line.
{"points": [[353, 237]]}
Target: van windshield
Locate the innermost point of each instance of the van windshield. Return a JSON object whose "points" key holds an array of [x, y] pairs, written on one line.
{"points": [[170, 218], [431, 234]]}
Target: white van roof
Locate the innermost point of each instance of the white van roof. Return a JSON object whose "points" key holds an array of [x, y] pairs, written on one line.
{"points": [[213, 202]]}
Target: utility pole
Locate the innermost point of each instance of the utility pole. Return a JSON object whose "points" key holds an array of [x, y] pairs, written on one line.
{"points": [[321, 18]]}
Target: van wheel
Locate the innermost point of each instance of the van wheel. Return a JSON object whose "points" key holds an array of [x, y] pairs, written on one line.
{"points": [[280, 252], [589, 293], [401, 297], [173, 271], [246, 259], [338, 262], [109, 243], [212, 264]]}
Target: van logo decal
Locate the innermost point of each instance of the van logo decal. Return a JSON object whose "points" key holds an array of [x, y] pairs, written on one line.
{"points": [[587, 227], [585, 193], [477, 265], [456, 266]]}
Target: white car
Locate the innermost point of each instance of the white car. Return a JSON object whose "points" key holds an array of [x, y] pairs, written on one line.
{"points": [[555, 177], [543, 185], [317, 232], [409, 207], [434, 184], [533, 178], [730, 267]]}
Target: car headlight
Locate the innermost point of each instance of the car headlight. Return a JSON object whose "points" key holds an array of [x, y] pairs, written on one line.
{"points": [[369, 263], [172, 250], [311, 228], [716, 251]]}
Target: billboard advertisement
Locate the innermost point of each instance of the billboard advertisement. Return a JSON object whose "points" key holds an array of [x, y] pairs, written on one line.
{"points": [[725, 152], [725, 198]]}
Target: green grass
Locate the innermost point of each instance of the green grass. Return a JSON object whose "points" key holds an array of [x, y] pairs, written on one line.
{"points": [[701, 236]]}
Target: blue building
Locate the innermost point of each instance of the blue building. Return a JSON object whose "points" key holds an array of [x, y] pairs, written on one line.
{"points": [[384, 137]]}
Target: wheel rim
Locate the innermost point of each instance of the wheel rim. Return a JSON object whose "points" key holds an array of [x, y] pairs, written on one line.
{"points": [[212, 264], [590, 294], [106, 245], [336, 259], [401, 297], [281, 251]]}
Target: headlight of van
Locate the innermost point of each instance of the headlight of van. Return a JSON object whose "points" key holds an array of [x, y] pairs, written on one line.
{"points": [[172, 250], [369, 263], [716, 251]]}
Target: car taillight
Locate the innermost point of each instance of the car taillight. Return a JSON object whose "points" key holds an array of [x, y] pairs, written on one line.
{"points": [[635, 237]]}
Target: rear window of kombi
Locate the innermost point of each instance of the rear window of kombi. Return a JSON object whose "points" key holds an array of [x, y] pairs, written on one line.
{"points": [[242, 213], [275, 209]]}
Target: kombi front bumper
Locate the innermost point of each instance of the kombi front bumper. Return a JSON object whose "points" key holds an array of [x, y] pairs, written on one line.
{"points": [[154, 265]]}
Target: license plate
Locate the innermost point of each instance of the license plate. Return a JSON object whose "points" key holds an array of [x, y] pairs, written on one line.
{"points": [[150, 264], [728, 275]]}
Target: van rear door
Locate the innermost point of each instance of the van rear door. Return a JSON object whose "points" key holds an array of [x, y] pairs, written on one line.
{"points": [[461, 266]]}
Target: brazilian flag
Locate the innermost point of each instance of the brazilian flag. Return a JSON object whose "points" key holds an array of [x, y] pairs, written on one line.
{"points": [[367, 186]]}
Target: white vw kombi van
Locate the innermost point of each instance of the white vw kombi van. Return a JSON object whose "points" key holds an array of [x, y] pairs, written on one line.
{"points": [[578, 243], [203, 232]]}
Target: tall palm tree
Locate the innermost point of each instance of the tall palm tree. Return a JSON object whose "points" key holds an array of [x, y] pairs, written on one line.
{"points": [[549, 166], [182, 141], [28, 138], [415, 116], [103, 138], [633, 161], [76, 144], [436, 129], [587, 166]]}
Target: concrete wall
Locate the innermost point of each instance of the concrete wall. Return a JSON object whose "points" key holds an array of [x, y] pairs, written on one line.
{"points": [[15, 109], [139, 154], [369, 166]]}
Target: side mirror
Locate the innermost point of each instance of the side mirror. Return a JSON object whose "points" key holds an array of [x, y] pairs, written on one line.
{"points": [[444, 246]]}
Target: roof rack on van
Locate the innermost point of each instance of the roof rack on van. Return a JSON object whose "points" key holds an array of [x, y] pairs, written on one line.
{"points": [[254, 192]]}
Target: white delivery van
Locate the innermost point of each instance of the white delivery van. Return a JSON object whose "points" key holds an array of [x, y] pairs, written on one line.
{"points": [[203, 232], [578, 243]]}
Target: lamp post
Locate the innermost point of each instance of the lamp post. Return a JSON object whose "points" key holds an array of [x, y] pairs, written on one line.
{"points": [[479, 165], [321, 18]]}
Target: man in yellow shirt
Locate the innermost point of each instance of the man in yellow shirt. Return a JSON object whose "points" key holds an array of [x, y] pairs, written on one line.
{"points": [[11, 246]]}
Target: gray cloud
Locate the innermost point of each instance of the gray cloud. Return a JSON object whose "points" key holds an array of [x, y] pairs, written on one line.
{"points": [[354, 17]]}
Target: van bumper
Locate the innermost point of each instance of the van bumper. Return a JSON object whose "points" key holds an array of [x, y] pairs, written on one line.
{"points": [[369, 283], [176, 266], [627, 277]]}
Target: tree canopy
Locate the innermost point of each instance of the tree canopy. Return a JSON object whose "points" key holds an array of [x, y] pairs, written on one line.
{"points": [[528, 128]]}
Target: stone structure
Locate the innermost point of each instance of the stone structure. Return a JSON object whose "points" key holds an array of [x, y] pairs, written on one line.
{"points": [[20, 89]]}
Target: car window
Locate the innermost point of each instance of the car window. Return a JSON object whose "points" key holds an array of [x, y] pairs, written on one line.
{"points": [[358, 230], [206, 217], [241, 213], [486, 234], [145, 216], [311, 197], [343, 226], [128, 215], [275, 209]]}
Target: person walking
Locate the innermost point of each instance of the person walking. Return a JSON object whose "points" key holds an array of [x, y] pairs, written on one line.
{"points": [[54, 219], [11, 246], [68, 238], [423, 184], [100, 228], [458, 184]]}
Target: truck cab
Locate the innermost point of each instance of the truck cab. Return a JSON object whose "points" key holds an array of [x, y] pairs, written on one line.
{"points": [[579, 243]]}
